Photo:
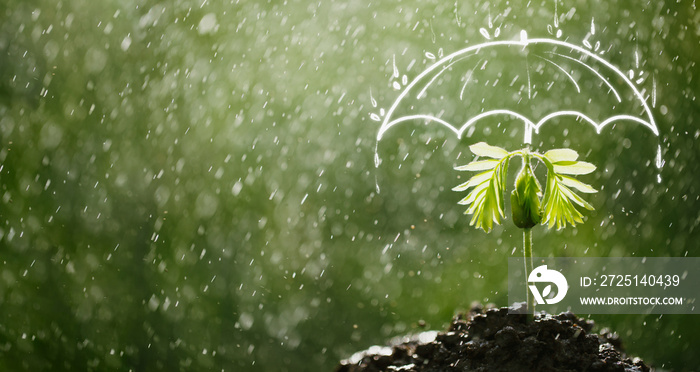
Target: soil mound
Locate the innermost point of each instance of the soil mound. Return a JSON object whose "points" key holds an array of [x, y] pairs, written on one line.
{"points": [[494, 340]]}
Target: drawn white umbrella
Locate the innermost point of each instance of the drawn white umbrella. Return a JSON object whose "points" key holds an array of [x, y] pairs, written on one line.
{"points": [[571, 81]]}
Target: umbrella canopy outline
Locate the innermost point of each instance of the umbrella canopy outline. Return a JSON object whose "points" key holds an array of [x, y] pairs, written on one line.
{"points": [[391, 119]]}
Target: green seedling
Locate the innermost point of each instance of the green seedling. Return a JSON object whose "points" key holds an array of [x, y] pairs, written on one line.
{"points": [[557, 206]]}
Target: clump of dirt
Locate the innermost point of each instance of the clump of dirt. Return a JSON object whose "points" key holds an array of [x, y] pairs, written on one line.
{"points": [[494, 340]]}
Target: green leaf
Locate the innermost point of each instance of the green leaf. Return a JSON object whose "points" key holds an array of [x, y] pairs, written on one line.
{"points": [[485, 207], [573, 167], [558, 155], [475, 180], [469, 199], [479, 165], [485, 201], [559, 211], [578, 185], [573, 197], [484, 149], [501, 174], [560, 201]]}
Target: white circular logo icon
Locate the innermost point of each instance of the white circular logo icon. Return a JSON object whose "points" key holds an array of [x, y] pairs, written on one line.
{"points": [[543, 275]]}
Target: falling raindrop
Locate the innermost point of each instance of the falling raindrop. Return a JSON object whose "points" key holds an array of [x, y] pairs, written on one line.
{"points": [[653, 91], [126, 43], [396, 70], [659, 162], [659, 158]]}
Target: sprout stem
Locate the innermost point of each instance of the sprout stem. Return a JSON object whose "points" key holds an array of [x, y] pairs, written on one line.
{"points": [[527, 253]]}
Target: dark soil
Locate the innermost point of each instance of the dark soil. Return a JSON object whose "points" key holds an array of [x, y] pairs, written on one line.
{"points": [[493, 340]]}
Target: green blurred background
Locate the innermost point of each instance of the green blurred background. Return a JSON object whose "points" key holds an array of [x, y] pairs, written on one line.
{"points": [[190, 185]]}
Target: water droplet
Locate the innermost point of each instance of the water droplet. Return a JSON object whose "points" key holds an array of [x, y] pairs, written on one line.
{"points": [[126, 43], [484, 33], [208, 24], [371, 98]]}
